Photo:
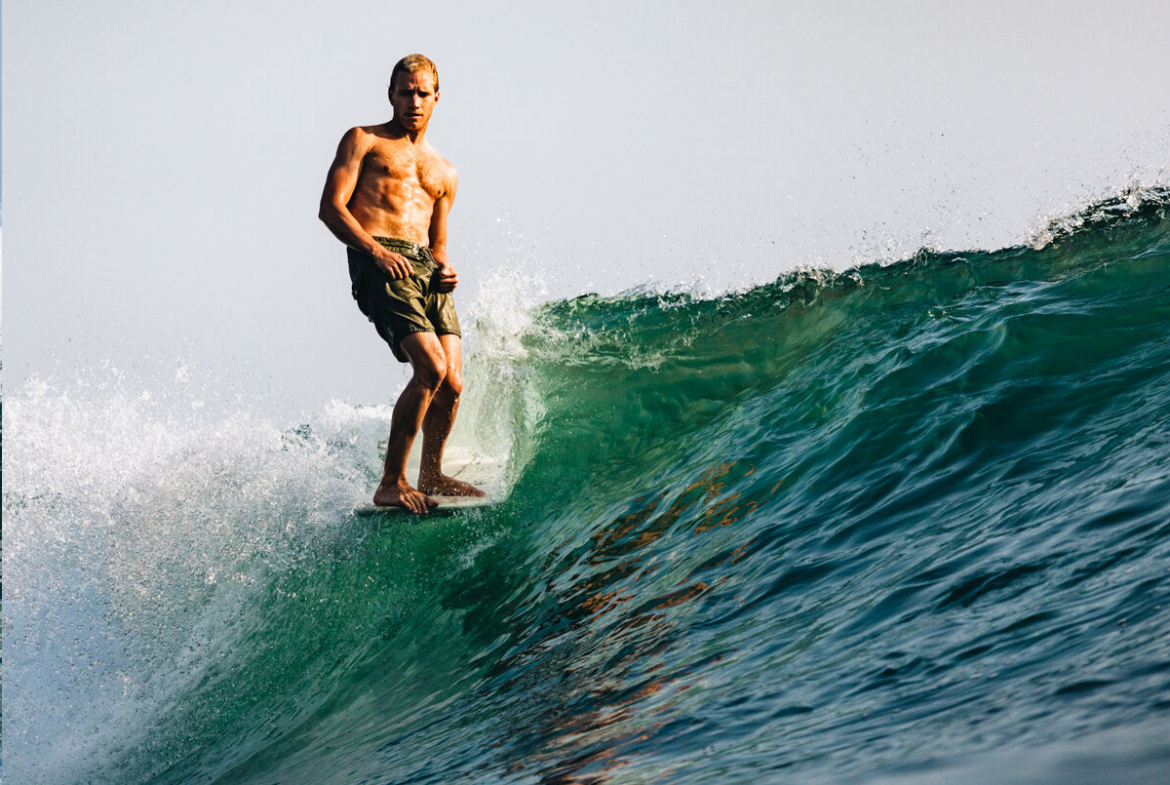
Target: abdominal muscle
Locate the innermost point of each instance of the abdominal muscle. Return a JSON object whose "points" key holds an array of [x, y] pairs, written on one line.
{"points": [[390, 207]]}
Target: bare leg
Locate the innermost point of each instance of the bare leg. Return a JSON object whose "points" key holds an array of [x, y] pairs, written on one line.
{"points": [[429, 364], [440, 418]]}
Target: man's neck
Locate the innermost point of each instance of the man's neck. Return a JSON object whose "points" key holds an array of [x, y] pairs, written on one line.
{"points": [[414, 137]]}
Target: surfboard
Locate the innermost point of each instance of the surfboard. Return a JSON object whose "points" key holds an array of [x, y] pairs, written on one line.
{"points": [[466, 465], [446, 504]]}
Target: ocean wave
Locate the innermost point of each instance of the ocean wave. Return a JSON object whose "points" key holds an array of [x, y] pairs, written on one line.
{"points": [[842, 525]]}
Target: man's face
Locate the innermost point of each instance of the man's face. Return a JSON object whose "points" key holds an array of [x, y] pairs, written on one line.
{"points": [[413, 97]]}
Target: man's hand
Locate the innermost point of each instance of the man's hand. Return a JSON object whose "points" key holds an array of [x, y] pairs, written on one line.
{"points": [[395, 265], [448, 278]]}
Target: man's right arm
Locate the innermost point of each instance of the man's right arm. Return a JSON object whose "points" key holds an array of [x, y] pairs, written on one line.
{"points": [[339, 187]]}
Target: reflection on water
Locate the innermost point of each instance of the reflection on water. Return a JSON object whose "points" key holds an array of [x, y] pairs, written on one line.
{"points": [[596, 684]]}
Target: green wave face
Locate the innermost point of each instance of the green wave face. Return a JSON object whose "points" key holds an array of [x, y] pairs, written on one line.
{"points": [[836, 526]]}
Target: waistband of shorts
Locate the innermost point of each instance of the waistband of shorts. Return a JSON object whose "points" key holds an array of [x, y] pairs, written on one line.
{"points": [[406, 248]]}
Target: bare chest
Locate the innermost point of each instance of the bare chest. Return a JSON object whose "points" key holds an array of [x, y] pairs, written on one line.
{"points": [[406, 167]]}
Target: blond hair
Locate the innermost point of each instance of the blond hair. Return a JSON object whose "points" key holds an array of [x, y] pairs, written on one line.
{"points": [[412, 63]]}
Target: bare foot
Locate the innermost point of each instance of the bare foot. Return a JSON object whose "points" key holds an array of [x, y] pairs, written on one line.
{"points": [[402, 495], [449, 486]]}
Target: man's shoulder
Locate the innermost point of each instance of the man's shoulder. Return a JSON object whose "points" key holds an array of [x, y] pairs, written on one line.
{"points": [[358, 141], [366, 133], [447, 167], [442, 165]]}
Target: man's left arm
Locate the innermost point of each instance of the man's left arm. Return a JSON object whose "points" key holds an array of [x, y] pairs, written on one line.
{"points": [[448, 279]]}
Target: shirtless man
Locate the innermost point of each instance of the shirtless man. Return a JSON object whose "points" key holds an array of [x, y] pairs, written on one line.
{"points": [[387, 197]]}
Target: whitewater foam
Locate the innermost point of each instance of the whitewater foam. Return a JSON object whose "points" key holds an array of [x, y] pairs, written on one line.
{"points": [[139, 529]]}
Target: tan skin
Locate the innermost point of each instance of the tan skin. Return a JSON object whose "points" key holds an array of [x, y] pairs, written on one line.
{"points": [[387, 180]]}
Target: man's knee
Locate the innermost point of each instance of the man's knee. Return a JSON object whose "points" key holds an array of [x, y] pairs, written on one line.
{"points": [[430, 373], [453, 383], [428, 361]]}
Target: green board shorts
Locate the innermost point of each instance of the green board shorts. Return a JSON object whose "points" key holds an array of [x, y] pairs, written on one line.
{"points": [[399, 307]]}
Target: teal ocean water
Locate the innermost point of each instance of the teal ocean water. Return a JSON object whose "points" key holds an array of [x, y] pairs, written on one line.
{"points": [[905, 523]]}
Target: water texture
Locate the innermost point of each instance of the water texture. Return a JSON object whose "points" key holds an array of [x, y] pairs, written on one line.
{"points": [[905, 523]]}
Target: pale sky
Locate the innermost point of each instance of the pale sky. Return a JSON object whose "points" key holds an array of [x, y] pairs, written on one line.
{"points": [[163, 161]]}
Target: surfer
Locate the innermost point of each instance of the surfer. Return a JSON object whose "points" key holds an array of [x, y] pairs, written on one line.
{"points": [[387, 196]]}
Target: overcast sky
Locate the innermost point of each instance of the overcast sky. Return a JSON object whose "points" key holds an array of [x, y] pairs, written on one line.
{"points": [[163, 161]]}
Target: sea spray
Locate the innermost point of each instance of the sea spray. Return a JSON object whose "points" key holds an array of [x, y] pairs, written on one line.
{"points": [[147, 541]]}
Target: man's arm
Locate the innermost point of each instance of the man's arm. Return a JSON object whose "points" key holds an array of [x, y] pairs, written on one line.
{"points": [[437, 234], [339, 186]]}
